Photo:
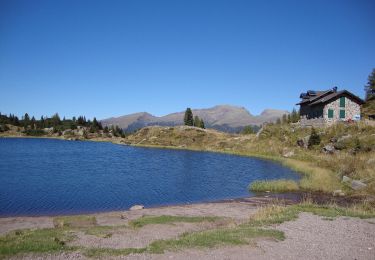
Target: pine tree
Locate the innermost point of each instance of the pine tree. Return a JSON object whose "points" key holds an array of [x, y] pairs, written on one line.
{"points": [[202, 124], [314, 138], [197, 121], [247, 130], [370, 86], [26, 120], [56, 119], [188, 118]]}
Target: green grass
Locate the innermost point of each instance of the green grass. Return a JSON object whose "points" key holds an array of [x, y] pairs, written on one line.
{"points": [[164, 219], [362, 211], [213, 238], [55, 239], [103, 231], [274, 186], [74, 221], [276, 214], [103, 252], [35, 241]]}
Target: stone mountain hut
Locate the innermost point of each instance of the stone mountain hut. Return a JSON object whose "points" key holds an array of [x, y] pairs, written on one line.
{"points": [[330, 106]]}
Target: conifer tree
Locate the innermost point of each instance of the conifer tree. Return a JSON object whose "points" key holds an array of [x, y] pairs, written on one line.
{"points": [[197, 121], [188, 118], [202, 124], [370, 86], [314, 138]]}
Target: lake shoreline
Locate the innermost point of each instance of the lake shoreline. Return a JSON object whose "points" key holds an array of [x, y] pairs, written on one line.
{"points": [[309, 173]]}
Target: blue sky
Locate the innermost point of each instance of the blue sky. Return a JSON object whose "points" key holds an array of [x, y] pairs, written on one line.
{"points": [[109, 58]]}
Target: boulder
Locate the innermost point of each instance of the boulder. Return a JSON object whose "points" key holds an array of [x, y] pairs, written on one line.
{"points": [[371, 161], [303, 142], [48, 130], [67, 132], [358, 185], [329, 149], [137, 207], [346, 179], [342, 138], [288, 154], [338, 193], [333, 140]]}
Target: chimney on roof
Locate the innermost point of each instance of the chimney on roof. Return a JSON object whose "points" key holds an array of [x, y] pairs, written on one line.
{"points": [[334, 89]]}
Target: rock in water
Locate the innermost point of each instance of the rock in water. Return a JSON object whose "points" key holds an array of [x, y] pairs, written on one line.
{"points": [[137, 207]]}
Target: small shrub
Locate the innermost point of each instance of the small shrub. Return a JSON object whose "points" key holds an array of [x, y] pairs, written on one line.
{"points": [[314, 138], [34, 132]]}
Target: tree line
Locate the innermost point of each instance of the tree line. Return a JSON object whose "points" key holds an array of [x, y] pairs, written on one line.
{"points": [[293, 117], [34, 126]]}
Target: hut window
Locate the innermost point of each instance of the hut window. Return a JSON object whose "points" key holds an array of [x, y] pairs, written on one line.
{"points": [[342, 114], [330, 113], [342, 101]]}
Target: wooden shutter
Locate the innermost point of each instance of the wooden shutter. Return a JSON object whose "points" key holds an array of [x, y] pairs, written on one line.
{"points": [[342, 101], [330, 113], [342, 113]]}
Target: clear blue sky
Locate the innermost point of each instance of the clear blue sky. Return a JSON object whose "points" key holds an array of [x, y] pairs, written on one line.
{"points": [[109, 58]]}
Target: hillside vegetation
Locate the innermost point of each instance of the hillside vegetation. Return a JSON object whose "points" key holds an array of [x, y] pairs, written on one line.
{"points": [[344, 150]]}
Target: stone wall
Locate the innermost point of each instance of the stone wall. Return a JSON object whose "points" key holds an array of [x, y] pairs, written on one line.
{"points": [[351, 110], [315, 122]]}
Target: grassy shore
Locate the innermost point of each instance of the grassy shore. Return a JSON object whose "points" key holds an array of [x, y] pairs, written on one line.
{"points": [[59, 239], [321, 172]]}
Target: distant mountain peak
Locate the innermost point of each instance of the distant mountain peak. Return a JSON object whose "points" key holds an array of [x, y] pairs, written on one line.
{"points": [[222, 117]]}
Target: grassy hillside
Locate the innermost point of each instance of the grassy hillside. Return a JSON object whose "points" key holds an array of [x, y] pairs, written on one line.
{"points": [[351, 146]]}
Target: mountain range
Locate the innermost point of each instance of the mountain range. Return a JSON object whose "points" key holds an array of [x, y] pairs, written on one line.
{"points": [[222, 117]]}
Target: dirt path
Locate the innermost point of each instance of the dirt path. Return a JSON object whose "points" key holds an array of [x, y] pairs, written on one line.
{"points": [[237, 209], [308, 237]]}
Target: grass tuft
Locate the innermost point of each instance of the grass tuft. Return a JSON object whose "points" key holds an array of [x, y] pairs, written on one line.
{"points": [[74, 221], [274, 186], [147, 220], [35, 241], [103, 252], [213, 238]]}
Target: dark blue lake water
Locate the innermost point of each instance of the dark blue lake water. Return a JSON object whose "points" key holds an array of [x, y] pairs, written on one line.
{"points": [[47, 177]]}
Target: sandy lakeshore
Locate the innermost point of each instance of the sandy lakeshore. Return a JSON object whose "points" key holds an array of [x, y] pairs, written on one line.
{"points": [[307, 237]]}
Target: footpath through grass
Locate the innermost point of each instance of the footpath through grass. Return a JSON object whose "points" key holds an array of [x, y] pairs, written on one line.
{"points": [[146, 220], [55, 240]]}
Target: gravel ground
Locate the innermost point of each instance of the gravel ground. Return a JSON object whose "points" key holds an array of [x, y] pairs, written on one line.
{"points": [[238, 210], [308, 237]]}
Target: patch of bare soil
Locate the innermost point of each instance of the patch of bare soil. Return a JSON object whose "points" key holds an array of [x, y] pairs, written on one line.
{"points": [[138, 238], [14, 223], [237, 210], [309, 237]]}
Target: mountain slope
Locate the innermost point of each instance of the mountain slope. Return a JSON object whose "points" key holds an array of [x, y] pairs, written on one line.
{"points": [[222, 117]]}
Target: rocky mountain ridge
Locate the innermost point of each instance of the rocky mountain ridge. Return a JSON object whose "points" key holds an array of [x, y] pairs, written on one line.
{"points": [[222, 117]]}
